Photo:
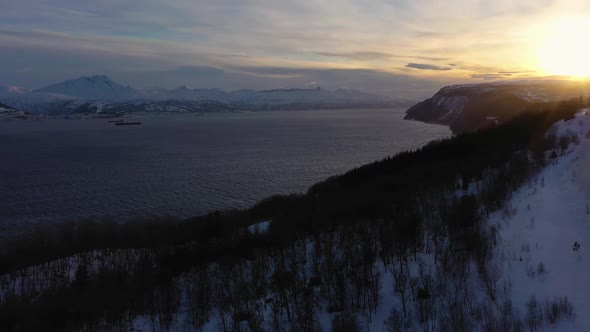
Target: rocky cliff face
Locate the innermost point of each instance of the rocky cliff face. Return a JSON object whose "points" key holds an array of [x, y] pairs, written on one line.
{"points": [[471, 107]]}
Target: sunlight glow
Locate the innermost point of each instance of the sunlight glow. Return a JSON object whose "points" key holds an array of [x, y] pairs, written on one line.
{"points": [[566, 50]]}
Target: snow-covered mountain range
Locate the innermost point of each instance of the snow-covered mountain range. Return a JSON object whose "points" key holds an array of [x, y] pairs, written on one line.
{"points": [[100, 94], [472, 106]]}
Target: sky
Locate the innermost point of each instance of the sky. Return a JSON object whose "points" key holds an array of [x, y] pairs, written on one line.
{"points": [[400, 48]]}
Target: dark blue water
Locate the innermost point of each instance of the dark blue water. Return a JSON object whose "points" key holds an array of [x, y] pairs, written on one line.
{"points": [[55, 170]]}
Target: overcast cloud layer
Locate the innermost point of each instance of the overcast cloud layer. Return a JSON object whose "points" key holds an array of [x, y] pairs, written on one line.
{"points": [[396, 47]]}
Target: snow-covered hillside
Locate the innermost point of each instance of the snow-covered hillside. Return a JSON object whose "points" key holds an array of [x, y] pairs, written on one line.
{"points": [[539, 229]]}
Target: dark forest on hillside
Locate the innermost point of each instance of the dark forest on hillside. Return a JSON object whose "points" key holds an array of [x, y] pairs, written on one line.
{"points": [[322, 251]]}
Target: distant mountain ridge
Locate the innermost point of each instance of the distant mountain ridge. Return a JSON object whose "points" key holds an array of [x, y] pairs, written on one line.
{"points": [[34, 102], [93, 87], [100, 94], [10, 113], [472, 106]]}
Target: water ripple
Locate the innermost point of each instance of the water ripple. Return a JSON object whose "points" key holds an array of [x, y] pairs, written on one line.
{"points": [[58, 170]]}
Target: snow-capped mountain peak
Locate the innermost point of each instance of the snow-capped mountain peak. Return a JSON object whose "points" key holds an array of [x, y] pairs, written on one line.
{"points": [[93, 87]]}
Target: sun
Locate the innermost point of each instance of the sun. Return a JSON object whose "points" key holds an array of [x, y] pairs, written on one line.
{"points": [[566, 50]]}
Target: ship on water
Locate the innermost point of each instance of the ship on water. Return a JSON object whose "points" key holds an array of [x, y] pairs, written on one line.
{"points": [[122, 123]]}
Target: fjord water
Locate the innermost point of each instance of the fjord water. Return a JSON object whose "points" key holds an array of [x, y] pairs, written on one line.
{"points": [[184, 165]]}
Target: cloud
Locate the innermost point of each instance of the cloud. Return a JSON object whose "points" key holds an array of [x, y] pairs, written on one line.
{"points": [[375, 55], [478, 69], [193, 76], [423, 66], [430, 58], [492, 76], [358, 55], [134, 38], [426, 34], [381, 82]]}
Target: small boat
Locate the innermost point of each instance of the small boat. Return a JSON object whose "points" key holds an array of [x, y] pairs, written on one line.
{"points": [[127, 123], [115, 121]]}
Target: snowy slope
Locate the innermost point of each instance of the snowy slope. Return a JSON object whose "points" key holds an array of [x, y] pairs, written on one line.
{"points": [[546, 218], [34, 102]]}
